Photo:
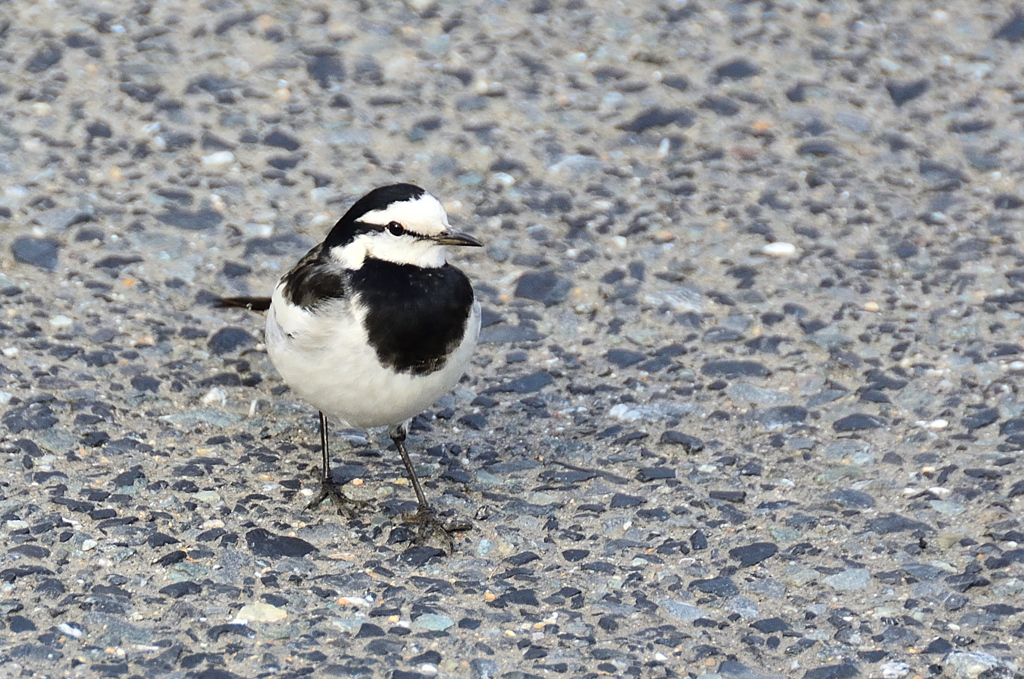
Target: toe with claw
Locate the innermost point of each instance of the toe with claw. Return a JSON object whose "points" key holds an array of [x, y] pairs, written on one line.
{"points": [[430, 526], [330, 489]]}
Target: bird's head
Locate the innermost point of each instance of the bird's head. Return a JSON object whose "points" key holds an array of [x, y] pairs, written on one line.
{"points": [[400, 223]]}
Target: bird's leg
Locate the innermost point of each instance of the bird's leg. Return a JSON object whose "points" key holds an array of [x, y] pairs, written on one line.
{"points": [[424, 516], [328, 487]]}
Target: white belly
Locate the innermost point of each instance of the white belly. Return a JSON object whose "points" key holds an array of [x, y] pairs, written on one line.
{"points": [[331, 365]]}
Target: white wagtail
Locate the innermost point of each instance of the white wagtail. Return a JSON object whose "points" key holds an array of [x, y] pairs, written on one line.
{"points": [[373, 325]]}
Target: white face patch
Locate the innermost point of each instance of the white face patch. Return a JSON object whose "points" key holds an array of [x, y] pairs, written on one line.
{"points": [[400, 249], [424, 216], [421, 217]]}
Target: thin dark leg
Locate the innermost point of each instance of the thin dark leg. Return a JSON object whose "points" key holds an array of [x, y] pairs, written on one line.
{"points": [[325, 469], [424, 516], [398, 435], [328, 488]]}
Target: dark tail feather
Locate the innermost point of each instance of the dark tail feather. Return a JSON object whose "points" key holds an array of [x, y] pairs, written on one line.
{"points": [[250, 303]]}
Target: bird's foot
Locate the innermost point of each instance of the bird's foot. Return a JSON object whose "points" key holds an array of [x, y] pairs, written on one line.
{"points": [[430, 526], [331, 490]]}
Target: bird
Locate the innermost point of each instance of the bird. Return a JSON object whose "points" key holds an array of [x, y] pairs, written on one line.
{"points": [[373, 325]]}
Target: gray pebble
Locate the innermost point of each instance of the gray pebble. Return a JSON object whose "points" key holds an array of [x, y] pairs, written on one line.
{"points": [[39, 252], [681, 611], [849, 579], [545, 286]]}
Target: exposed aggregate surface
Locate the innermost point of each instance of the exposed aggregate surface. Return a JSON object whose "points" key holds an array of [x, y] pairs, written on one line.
{"points": [[747, 400]]}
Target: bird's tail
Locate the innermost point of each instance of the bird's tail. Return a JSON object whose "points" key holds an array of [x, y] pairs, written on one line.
{"points": [[250, 303]]}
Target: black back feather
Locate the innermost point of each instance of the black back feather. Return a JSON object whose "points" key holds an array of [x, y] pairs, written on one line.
{"points": [[313, 279]]}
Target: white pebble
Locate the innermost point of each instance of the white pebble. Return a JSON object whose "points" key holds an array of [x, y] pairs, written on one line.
{"points": [[89, 544], [503, 178], [624, 413], [216, 396], [10, 352], [218, 160], [253, 230], [61, 321], [210, 497], [895, 670], [69, 630], [779, 249]]}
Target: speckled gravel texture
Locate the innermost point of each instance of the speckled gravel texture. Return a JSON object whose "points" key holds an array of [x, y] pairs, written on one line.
{"points": [[686, 454]]}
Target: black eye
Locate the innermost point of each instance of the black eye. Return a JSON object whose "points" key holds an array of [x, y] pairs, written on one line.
{"points": [[395, 229]]}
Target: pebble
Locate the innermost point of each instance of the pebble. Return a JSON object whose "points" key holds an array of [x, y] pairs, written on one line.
{"points": [[70, 630], [39, 252], [543, 286], [754, 553], [214, 397], [977, 665], [731, 669], [263, 543], [849, 580], [744, 392], [682, 611], [218, 160], [743, 606], [483, 668], [199, 220], [229, 340], [847, 497], [732, 369], [261, 612], [690, 444], [841, 671], [779, 249], [432, 622], [210, 497], [894, 670], [623, 413], [623, 358], [61, 321], [857, 422], [527, 384]]}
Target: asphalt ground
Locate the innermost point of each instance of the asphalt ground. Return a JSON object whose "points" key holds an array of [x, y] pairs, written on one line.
{"points": [[747, 399]]}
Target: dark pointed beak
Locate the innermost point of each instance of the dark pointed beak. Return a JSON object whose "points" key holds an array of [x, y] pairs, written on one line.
{"points": [[455, 238]]}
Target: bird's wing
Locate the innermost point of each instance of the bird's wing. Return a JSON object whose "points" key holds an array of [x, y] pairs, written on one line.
{"points": [[250, 303]]}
